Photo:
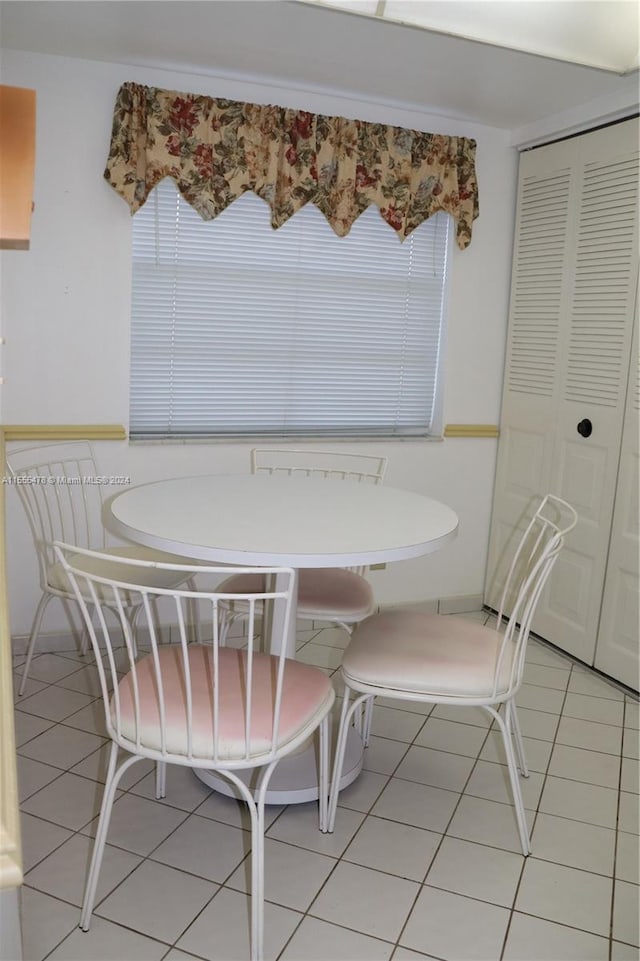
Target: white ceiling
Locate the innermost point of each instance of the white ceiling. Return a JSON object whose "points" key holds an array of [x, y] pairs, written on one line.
{"points": [[598, 33], [304, 45]]}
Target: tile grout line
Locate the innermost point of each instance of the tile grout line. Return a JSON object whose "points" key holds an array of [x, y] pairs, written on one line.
{"points": [[58, 683], [444, 833], [617, 840], [340, 858], [535, 817]]}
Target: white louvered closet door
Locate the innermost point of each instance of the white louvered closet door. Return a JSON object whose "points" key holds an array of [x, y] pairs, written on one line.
{"points": [[571, 317], [617, 651]]}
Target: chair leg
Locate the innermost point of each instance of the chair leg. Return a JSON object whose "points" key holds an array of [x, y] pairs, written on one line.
{"points": [[133, 621], [225, 624], [323, 773], [114, 774], [84, 642], [346, 716], [161, 779], [85, 639], [257, 886], [359, 720], [256, 812], [33, 637], [521, 817], [228, 616], [512, 715], [368, 720], [363, 719]]}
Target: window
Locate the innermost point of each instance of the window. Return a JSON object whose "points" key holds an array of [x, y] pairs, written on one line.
{"points": [[240, 330]]}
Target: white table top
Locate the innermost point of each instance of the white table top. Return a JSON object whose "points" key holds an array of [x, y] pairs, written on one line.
{"points": [[265, 519]]}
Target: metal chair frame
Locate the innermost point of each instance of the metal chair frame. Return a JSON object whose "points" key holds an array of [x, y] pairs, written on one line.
{"points": [[61, 492], [342, 465], [530, 568], [131, 729], [338, 465]]}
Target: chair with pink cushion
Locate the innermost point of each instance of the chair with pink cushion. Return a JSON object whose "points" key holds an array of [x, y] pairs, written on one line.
{"points": [[197, 705], [342, 596], [437, 659]]}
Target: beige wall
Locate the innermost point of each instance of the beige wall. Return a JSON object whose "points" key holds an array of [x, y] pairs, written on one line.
{"points": [[66, 316]]}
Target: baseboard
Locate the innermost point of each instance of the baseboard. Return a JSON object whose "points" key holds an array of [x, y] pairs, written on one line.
{"points": [[424, 607], [457, 604], [51, 642], [460, 604]]}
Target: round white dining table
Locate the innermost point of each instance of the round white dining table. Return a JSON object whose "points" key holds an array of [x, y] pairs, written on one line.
{"points": [[282, 520]]}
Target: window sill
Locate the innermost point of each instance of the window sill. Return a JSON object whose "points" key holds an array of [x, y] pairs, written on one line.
{"points": [[285, 439]]}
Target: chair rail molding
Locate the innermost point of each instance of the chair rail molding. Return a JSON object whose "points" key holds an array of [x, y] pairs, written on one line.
{"points": [[63, 432], [471, 430]]}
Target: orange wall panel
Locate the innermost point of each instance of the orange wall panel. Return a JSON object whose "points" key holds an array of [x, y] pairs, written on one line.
{"points": [[17, 160]]}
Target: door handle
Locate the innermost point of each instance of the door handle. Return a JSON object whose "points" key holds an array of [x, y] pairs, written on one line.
{"points": [[585, 427]]}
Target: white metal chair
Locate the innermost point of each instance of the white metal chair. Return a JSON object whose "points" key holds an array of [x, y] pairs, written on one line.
{"points": [[450, 660], [198, 705], [339, 595], [62, 494]]}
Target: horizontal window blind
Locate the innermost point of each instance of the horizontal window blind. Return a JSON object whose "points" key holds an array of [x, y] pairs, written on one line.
{"points": [[239, 329]]}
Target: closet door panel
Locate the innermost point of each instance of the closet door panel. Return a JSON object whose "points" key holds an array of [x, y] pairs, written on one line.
{"points": [[568, 610], [570, 323], [593, 383], [526, 458], [538, 299], [618, 648]]}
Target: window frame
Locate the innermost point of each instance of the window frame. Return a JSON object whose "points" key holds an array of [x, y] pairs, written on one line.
{"points": [[334, 434]]}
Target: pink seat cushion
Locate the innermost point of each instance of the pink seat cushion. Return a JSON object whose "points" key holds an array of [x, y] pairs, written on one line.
{"points": [[327, 592], [428, 654], [307, 696]]}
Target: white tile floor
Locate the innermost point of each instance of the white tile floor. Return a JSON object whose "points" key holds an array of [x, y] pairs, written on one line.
{"points": [[424, 861]]}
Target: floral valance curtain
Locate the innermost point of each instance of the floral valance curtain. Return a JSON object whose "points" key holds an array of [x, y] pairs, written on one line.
{"points": [[216, 149]]}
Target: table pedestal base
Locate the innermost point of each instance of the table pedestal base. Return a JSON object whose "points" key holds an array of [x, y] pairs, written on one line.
{"points": [[295, 779]]}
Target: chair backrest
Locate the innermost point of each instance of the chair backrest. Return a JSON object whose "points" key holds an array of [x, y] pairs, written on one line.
{"points": [[364, 468], [61, 492], [157, 708], [529, 570]]}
